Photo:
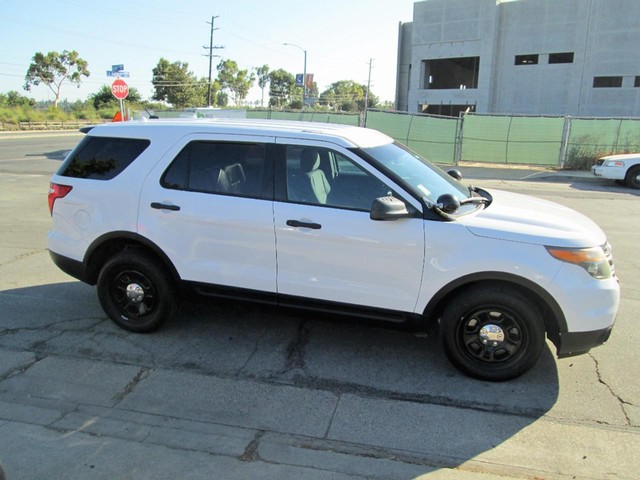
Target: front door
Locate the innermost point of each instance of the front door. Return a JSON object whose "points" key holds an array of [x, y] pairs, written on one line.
{"points": [[328, 247]]}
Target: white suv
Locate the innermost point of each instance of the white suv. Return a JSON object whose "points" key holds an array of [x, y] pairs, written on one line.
{"points": [[331, 218]]}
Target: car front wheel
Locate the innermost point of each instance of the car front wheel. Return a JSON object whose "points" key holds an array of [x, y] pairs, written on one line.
{"points": [[135, 292], [492, 332], [633, 177]]}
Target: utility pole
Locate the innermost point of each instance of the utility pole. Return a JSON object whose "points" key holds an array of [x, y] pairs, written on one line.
{"points": [[366, 95], [210, 47]]}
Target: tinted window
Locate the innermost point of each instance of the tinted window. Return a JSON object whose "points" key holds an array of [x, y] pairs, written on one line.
{"points": [[319, 176], [102, 158], [215, 167]]}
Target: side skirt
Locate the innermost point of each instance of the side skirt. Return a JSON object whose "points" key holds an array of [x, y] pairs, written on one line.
{"points": [[301, 303]]}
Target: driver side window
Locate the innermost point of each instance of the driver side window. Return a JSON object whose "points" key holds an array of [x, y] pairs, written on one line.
{"points": [[320, 176]]}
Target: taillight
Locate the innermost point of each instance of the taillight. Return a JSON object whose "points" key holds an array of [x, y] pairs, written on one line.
{"points": [[57, 191]]}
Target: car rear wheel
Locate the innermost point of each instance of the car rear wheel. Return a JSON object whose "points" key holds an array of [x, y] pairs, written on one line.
{"points": [[633, 177], [135, 292], [492, 332]]}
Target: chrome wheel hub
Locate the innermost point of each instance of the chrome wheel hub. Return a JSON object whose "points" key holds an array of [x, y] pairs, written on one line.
{"points": [[135, 293], [491, 335]]}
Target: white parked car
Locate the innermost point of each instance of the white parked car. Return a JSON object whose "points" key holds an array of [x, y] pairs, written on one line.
{"points": [[625, 167], [331, 218]]}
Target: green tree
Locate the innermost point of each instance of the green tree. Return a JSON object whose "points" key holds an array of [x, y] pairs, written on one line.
{"points": [[347, 96], [263, 80], [104, 98], [222, 99], [14, 99], [54, 69], [237, 81], [175, 84], [281, 84]]}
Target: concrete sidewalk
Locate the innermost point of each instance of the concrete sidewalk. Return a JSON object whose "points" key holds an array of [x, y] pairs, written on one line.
{"points": [[86, 419]]}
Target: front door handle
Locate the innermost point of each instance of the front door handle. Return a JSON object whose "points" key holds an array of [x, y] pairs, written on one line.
{"points": [[164, 206], [299, 224]]}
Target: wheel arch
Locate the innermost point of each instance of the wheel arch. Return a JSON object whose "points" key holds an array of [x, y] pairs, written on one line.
{"points": [[554, 320], [106, 246]]}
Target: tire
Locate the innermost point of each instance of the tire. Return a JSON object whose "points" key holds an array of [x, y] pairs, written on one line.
{"points": [[135, 292], [492, 332], [632, 178]]}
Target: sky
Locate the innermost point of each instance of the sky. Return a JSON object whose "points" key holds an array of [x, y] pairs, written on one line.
{"points": [[340, 37]]}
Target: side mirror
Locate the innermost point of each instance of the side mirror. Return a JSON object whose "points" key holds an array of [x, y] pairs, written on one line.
{"points": [[388, 208], [448, 203], [455, 173]]}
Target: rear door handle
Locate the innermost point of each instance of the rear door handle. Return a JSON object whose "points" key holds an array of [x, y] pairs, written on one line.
{"points": [[299, 224], [164, 206]]}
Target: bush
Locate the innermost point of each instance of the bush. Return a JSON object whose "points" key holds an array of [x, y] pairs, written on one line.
{"points": [[585, 150]]}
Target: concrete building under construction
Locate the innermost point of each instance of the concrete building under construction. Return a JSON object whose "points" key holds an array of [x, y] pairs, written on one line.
{"points": [[539, 57]]}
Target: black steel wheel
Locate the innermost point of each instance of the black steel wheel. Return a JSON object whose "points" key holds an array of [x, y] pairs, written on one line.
{"points": [[135, 292], [632, 178], [492, 332]]}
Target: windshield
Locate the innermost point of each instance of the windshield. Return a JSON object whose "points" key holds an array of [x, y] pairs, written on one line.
{"points": [[423, 178]]}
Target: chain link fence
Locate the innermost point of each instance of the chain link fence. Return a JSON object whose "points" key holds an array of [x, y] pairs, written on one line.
{"points": [[307, 116], [563, 142]]}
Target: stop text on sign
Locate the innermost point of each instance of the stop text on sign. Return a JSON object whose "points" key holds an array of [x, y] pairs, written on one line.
{"points": [[120, 89]]}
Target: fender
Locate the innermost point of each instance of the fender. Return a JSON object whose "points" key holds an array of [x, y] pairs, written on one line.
{"points": [[113, 242], [555, 326]]}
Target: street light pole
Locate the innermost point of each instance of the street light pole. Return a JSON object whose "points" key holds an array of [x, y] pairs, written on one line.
{"points": [[304, 72]]}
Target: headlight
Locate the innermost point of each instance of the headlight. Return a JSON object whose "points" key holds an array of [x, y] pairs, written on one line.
{"points": [[593, 260], [614, 163]]}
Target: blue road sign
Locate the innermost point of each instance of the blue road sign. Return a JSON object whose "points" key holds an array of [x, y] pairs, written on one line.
{"points": [[120, 73]]}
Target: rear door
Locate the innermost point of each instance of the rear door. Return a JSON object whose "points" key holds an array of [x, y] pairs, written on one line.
{"points": [[208, 204], [328, 247]]}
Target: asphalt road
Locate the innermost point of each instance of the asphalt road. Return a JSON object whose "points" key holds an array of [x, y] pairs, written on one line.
{"points": [[230, 390]]}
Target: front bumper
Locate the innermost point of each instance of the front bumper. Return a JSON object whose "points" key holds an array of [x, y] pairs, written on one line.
{"points": [[576, 343], [613, 173]]}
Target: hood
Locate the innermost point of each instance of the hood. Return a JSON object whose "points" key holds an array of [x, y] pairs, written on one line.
{"points": [[521, 218]]}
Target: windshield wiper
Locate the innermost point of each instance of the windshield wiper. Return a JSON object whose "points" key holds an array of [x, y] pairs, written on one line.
{"points": [[476, 200], [476, 197]]}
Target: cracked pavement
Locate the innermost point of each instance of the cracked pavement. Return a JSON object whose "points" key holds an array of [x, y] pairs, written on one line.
{"points": [[234, 390]]}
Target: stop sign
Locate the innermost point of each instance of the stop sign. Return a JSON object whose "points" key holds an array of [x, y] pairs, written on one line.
{"points": [[120, 89]]}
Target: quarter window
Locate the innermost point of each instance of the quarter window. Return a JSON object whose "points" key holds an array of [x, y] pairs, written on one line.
{"points": [[220, 168], [102, 158]]}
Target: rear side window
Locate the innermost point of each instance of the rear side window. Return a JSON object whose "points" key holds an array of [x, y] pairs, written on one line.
{"points": [[102, 158], [221, 168]]}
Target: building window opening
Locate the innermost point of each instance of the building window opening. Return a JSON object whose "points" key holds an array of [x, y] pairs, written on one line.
{"points": [[451, 73], [527, 59], [607, 82], [636, 83], [563, 57], [446, 110]]}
